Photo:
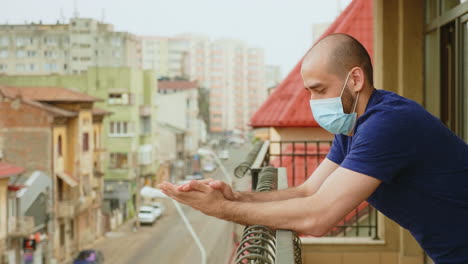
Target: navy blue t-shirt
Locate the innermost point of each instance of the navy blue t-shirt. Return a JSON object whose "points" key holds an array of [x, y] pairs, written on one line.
{"points": [[423, 167]]}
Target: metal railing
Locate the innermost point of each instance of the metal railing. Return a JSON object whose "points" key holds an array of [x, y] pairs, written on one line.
{"points": [[301, 158], [260, 244]]}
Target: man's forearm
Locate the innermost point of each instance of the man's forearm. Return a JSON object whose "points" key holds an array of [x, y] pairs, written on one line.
{"points": [[292, 214], [277, 195]]}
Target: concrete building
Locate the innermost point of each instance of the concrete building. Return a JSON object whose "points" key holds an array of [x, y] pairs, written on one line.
{"points": [[130, 134], [35, 49], [53, 130], [185, 56], [272, 76], [237, 84]]}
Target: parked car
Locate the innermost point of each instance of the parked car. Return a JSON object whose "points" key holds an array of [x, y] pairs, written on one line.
{"points": [[158, 207], [195, 176], [224, 154], [89, 256], [209, 167], [147, 215]]}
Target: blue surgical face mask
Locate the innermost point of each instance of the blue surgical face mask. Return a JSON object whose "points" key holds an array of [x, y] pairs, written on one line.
{"points": [[330, 115]]}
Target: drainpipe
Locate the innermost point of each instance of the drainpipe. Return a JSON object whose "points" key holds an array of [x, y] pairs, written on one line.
{"points": [[50, 208]]}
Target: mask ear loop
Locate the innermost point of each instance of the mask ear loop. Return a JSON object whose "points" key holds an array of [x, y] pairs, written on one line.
{"points": [[346, 82], [355, 103]]}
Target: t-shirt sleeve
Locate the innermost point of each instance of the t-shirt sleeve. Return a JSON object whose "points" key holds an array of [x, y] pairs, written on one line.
{"points": [[383, 145], [336, 153]]}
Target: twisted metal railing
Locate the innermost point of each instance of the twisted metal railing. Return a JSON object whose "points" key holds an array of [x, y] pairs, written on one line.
{"points": [[255, 158], [262, 245]]}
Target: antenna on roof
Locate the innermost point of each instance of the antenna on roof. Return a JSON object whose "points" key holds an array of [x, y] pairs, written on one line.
{"points": [[75, 9]]}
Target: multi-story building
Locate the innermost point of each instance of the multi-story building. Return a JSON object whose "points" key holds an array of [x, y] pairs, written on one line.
{"points": [[237, 84], [130, 134], [35, 49], [56, 130], [272, 76], [185, 56]]}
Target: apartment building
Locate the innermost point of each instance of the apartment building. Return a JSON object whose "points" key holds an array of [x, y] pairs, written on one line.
{"points": [[36, 48]]}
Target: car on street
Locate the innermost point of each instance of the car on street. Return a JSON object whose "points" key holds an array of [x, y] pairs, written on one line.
{"points": [[224, 154], [209, 167], [158, 207], [195, 176], [147, 215], [89, 256]]}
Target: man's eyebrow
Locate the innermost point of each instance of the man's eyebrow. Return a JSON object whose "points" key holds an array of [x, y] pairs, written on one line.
{"points": [[313, 86]]}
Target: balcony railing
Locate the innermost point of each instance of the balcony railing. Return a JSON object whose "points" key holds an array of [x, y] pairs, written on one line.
{"points": [[294, 162], [260, 244], [20, 226], [301, 158], [66, 209], [145, 110]]}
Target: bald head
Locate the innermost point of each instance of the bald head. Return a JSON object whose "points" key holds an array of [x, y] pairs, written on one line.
{"points": [[338, 54]]}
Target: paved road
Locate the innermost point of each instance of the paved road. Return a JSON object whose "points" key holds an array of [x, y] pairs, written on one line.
{"points": [[168, 241]]}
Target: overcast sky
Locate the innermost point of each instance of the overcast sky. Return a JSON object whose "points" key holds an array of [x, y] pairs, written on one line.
{"points": [[282, 27]]}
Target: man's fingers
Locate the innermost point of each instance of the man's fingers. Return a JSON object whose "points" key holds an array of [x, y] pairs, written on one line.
{"points": [[224, 188], [199, 186]]}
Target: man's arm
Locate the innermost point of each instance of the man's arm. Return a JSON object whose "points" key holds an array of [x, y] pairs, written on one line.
{"points": [[308, 188], [341, 192]]}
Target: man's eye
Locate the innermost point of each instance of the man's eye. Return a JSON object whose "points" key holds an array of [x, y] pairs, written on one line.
{"points": [[321, 91]]}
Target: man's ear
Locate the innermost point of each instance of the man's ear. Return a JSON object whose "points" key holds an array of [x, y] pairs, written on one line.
{"points": [[357, 79]]}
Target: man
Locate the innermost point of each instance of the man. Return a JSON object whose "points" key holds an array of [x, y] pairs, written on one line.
{"points": [[388, 150]]}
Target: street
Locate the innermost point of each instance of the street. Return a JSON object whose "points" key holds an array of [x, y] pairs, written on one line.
{"points": [[168, 240]]}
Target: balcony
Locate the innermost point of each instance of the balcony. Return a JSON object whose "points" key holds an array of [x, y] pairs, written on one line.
{"points": [[98, 158], [20, 226], [294, 162], [66, 209], [145, 110]]}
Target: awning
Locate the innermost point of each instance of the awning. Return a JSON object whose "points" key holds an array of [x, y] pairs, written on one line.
{"points": [[70, 180]]}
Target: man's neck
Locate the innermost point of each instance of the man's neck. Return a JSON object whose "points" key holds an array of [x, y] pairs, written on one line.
{"points": [[364, 98]]}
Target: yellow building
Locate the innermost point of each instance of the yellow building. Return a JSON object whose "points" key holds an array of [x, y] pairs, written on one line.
{"points": [[73, 147]]}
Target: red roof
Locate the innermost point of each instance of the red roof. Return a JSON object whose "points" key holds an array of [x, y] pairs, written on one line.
{"points": [[288, 105], [177, 85], [7, 170], [46, 94]]}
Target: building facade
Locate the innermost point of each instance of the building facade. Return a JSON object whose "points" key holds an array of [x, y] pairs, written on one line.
{"points": [[130, 134], [35, 49], [55, 126]]}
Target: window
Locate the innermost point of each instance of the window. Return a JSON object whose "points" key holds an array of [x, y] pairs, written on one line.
{"points": [[4, 41], [20, 67], [32, 67], [60, 189], [59, 146], [145, 125], [62, 235], [120, 99], [20, 53], [446, 84], [116, 41], [50, 40], [31, 53], [21, 41], [50, 67], [118, 161], [72, 229], [3, 67], [86, 141], [3, 53], [120, 128], [50, 54]]}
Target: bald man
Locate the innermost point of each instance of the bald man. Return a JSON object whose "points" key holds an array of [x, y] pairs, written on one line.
{"points": [[387, 150]]}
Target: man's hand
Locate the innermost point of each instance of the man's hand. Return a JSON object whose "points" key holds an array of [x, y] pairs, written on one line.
{"points": [[201, 197], [221, 186]]}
